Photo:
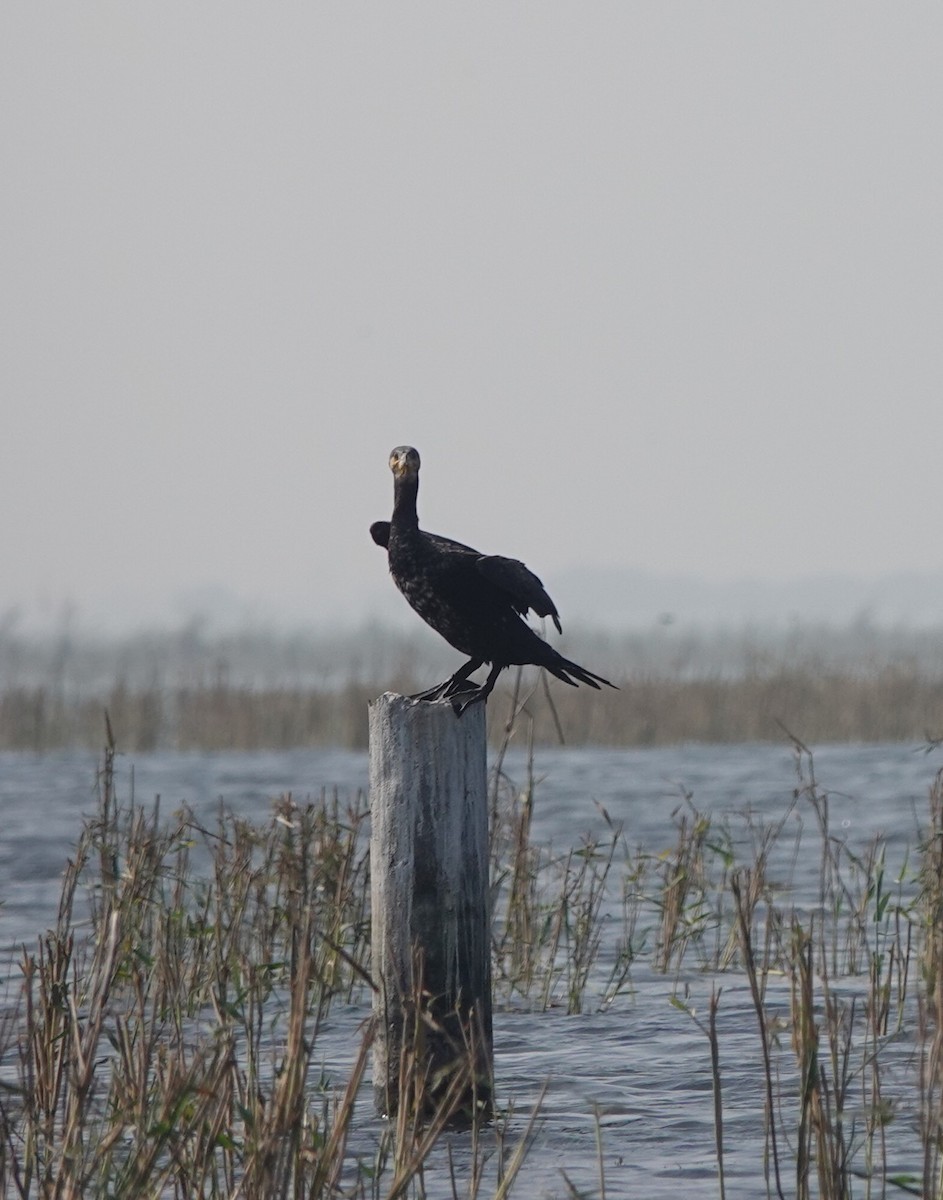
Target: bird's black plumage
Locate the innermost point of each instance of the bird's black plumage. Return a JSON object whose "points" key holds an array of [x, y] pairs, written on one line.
{"points": [[475, 601]]}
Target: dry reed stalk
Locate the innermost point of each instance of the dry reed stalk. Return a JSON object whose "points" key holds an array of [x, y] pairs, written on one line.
{"points": [[931, 904], [682, 901], [585, 893], [716, 1088], [930, 1081], [756, 993], [710, 1032]]}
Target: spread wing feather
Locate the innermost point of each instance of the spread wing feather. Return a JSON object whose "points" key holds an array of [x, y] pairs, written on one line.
{"points": [[521, 584]]}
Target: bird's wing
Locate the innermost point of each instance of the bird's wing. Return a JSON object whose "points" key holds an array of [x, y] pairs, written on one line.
{"points": [[444, 543], [380, 532], [521, 584]]}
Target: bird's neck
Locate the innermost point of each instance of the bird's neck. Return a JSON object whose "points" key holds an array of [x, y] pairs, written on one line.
{"points": [[405, 517]]}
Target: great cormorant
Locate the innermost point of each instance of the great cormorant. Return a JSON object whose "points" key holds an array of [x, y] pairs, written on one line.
{"points": [[475, 601]]}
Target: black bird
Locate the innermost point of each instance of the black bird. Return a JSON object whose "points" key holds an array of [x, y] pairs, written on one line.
{"points": [[475, 601]]}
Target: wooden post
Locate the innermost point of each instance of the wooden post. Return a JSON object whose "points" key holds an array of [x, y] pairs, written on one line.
{"points": [[429, 899]]}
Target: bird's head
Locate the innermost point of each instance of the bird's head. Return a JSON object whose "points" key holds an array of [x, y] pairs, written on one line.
{"points": [[404, 462]]}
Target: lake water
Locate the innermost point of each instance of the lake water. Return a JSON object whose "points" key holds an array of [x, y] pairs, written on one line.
{"points": [[640, 1063]]}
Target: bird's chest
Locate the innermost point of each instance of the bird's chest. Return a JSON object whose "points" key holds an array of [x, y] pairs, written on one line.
{"points": [[436, 588], [420, 576]]}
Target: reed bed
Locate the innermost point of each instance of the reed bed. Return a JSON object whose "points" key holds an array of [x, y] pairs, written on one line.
{"points": [[162, 1039], [892, 705], [194, 690]]}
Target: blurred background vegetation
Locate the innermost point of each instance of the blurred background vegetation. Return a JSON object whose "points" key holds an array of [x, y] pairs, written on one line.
{"points": [[196, 688]]}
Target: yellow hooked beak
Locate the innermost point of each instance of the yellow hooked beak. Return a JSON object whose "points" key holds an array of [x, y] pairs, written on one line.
{"points": [[404, 460]]}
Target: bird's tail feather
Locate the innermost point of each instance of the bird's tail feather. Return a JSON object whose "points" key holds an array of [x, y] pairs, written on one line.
{"points": [[563, 669]]}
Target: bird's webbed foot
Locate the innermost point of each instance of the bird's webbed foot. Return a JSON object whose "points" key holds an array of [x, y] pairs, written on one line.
{"points": [[455, 685], [462, 701], [445, 691], [465, 696], [432, 693]]}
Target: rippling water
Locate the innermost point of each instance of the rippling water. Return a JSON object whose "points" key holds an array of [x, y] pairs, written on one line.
{"points": [[641, 1064]]}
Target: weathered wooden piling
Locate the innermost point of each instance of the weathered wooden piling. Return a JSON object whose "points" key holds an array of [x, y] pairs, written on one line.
{"points": [[429, 899]]}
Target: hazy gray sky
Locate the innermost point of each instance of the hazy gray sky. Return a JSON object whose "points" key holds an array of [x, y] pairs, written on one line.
{"points": [[654, 285]]}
